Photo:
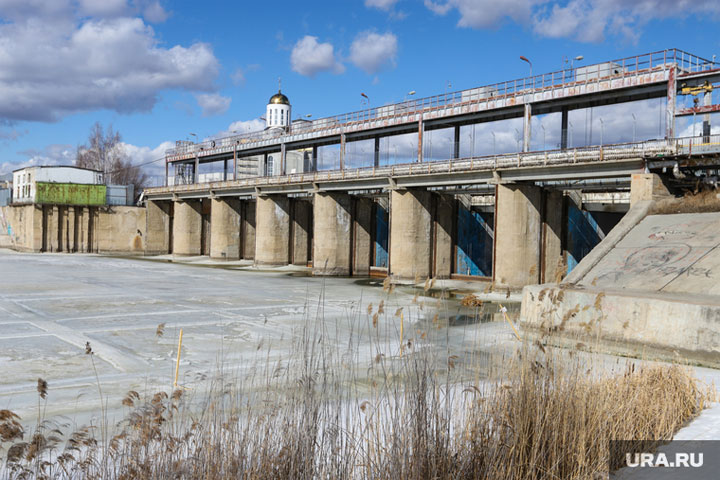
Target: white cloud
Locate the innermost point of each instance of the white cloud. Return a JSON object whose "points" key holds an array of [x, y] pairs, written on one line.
{"points": [[247, 126], [55, 65], [155, 13], [485, 13], [309, 57], [372, 52], [151, 159], [381, 4], [213, 104], [56, 154], [584, 20]]}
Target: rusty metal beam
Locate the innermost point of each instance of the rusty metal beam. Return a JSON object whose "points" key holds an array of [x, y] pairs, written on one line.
{"points": [[685, 112]]}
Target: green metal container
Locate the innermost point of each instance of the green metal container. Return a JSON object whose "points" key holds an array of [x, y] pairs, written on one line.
{"points": [[70, 194]]}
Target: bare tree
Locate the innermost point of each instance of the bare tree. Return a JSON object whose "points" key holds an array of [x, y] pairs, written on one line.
{"points": [[106, 153]]}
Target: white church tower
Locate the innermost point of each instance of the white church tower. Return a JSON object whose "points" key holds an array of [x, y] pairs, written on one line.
{"points": [[278, 112]]}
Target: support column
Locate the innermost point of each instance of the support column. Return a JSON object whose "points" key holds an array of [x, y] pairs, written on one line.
{"points": [[84, 227], [225, 229], [420, 140], [333, 242], [53, 227], [283, 159], [671, 103], [527, 127], [342, 152], [443, 233], [225, 170], [552, 255], [518, 229], [272, 242], [196, 172], [376, 161], [187, 228], [71, 230], [157, 228], [62, 229], [362, 231], [301, 231], [456, 144], [707, 101], [647, 186], [564, 129], [410, 234], [248, 230]]}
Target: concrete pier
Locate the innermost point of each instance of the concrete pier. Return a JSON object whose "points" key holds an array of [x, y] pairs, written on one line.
{"points": [[552, 236], [302, 225], [247, 231], [518, 230], [647, 186], [333, 234], [410, 234], [272, 223], [187, 228], [225, 226], [362, 235], [158, 227], [444, 209]]}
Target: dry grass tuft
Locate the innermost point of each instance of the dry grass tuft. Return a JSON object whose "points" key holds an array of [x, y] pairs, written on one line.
{"points": [[693, 202]]}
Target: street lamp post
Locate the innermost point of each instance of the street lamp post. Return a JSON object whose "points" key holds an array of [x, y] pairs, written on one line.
{"points": [[493, 134], [518, 137], [602, 131], [543, 129], [525, 59], [634, 122]]}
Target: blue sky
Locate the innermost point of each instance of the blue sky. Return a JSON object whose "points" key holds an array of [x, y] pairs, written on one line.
{"points": [[157, 70]]}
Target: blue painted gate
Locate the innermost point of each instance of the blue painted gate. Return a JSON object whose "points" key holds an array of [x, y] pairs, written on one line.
{"points": [[583, 235], [474, 242], [380, 257]]}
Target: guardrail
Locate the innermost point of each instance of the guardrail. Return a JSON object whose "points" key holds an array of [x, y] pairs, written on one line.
{"points": [[661, 60], [582, 155]]}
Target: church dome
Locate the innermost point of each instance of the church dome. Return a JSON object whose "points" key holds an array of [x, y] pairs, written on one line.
{"points": [[279, 99]]}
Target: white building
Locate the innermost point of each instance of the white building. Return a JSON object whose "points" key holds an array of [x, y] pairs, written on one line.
{"points": [[25, 179], [278, 112]]}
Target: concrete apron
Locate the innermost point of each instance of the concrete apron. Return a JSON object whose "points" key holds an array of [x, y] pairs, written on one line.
{"points": [[645, 325]]}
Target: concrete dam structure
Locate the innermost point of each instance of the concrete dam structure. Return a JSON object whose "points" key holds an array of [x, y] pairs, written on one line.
{"points": [[651, 287], [300, 193]]}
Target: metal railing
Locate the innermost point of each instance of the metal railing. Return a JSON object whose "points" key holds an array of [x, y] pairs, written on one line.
{"points": [[581, 155], [661, 60]]}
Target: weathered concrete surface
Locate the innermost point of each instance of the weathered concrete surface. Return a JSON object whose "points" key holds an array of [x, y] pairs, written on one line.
{"points": [[410, 234], [225, 226], [333, 234], [443, 229], [362, 231], [26, 231], [651, 288], [664, 253], [647, 325], [121, 230], [157, 229], [248, 230], [187, 228], [272, 230], [518, 230], [552, 254], [647, 186], [301, 231]]}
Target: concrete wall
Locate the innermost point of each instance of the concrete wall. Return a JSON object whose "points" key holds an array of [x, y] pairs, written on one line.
{"points": [[647, 186], [362, 231], [302, 225], [25, 222], [333, 234], [158, 225], [187, 228], [225, 228], [518, 228], [120, 229], [410, 234], [272, 230], [443, 230], [248, 230], [649, 325], [552, 255]]}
